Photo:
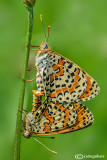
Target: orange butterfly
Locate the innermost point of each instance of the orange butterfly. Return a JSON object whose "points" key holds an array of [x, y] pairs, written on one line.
{"points": [[60, 79], [54, 118]]}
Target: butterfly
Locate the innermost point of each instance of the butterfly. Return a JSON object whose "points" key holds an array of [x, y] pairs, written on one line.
{"points": [[55, 118], [50, 117], [61, 80]]}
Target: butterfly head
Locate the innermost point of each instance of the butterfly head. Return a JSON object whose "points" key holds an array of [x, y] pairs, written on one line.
{"points": [[44, 45], [26, 134]]}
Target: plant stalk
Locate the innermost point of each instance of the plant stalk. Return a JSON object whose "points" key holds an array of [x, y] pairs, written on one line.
{"points": [[23, 83]]}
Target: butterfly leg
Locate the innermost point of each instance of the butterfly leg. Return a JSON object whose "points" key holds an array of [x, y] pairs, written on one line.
{"points": [[34, 49], [32, 46], [25, 111], [44, 50], [35, 77], [31, 69], [30, 80], [35, 46], [25, 115]]}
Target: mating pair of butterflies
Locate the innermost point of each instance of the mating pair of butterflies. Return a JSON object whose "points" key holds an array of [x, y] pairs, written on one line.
{"points": [[65, 85]]}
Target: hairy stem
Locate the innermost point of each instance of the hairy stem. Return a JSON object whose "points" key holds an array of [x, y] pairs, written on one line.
{"points": [[23, 83]]}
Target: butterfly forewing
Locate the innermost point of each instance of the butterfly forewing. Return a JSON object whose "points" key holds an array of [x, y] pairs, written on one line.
{"points": [[63, 80]]}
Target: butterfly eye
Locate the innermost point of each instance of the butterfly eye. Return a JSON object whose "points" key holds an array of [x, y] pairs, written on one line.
{"points": [[45, 46]]}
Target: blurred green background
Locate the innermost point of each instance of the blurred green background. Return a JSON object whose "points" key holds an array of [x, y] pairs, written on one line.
{"points": [[79, 32]]}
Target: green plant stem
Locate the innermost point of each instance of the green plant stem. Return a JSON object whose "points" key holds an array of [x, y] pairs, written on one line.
{"points": [[23, 83]]}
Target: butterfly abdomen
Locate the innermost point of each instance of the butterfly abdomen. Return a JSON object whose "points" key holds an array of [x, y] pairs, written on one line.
{"points": [[41, 61]]}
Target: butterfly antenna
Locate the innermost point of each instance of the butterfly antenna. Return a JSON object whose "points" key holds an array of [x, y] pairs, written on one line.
{"points": [[44, 137], [44, 146], [43, 26], [48, 32]]}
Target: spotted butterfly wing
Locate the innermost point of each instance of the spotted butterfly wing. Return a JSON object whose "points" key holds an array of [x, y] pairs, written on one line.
{"points": [[63, 80], [55, 118]]}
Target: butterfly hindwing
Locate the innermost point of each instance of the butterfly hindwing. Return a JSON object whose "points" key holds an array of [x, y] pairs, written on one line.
{"points": [[55, 118]]}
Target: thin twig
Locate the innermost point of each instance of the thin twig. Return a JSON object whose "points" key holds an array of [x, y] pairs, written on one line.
{"points": [[23, 83]]}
